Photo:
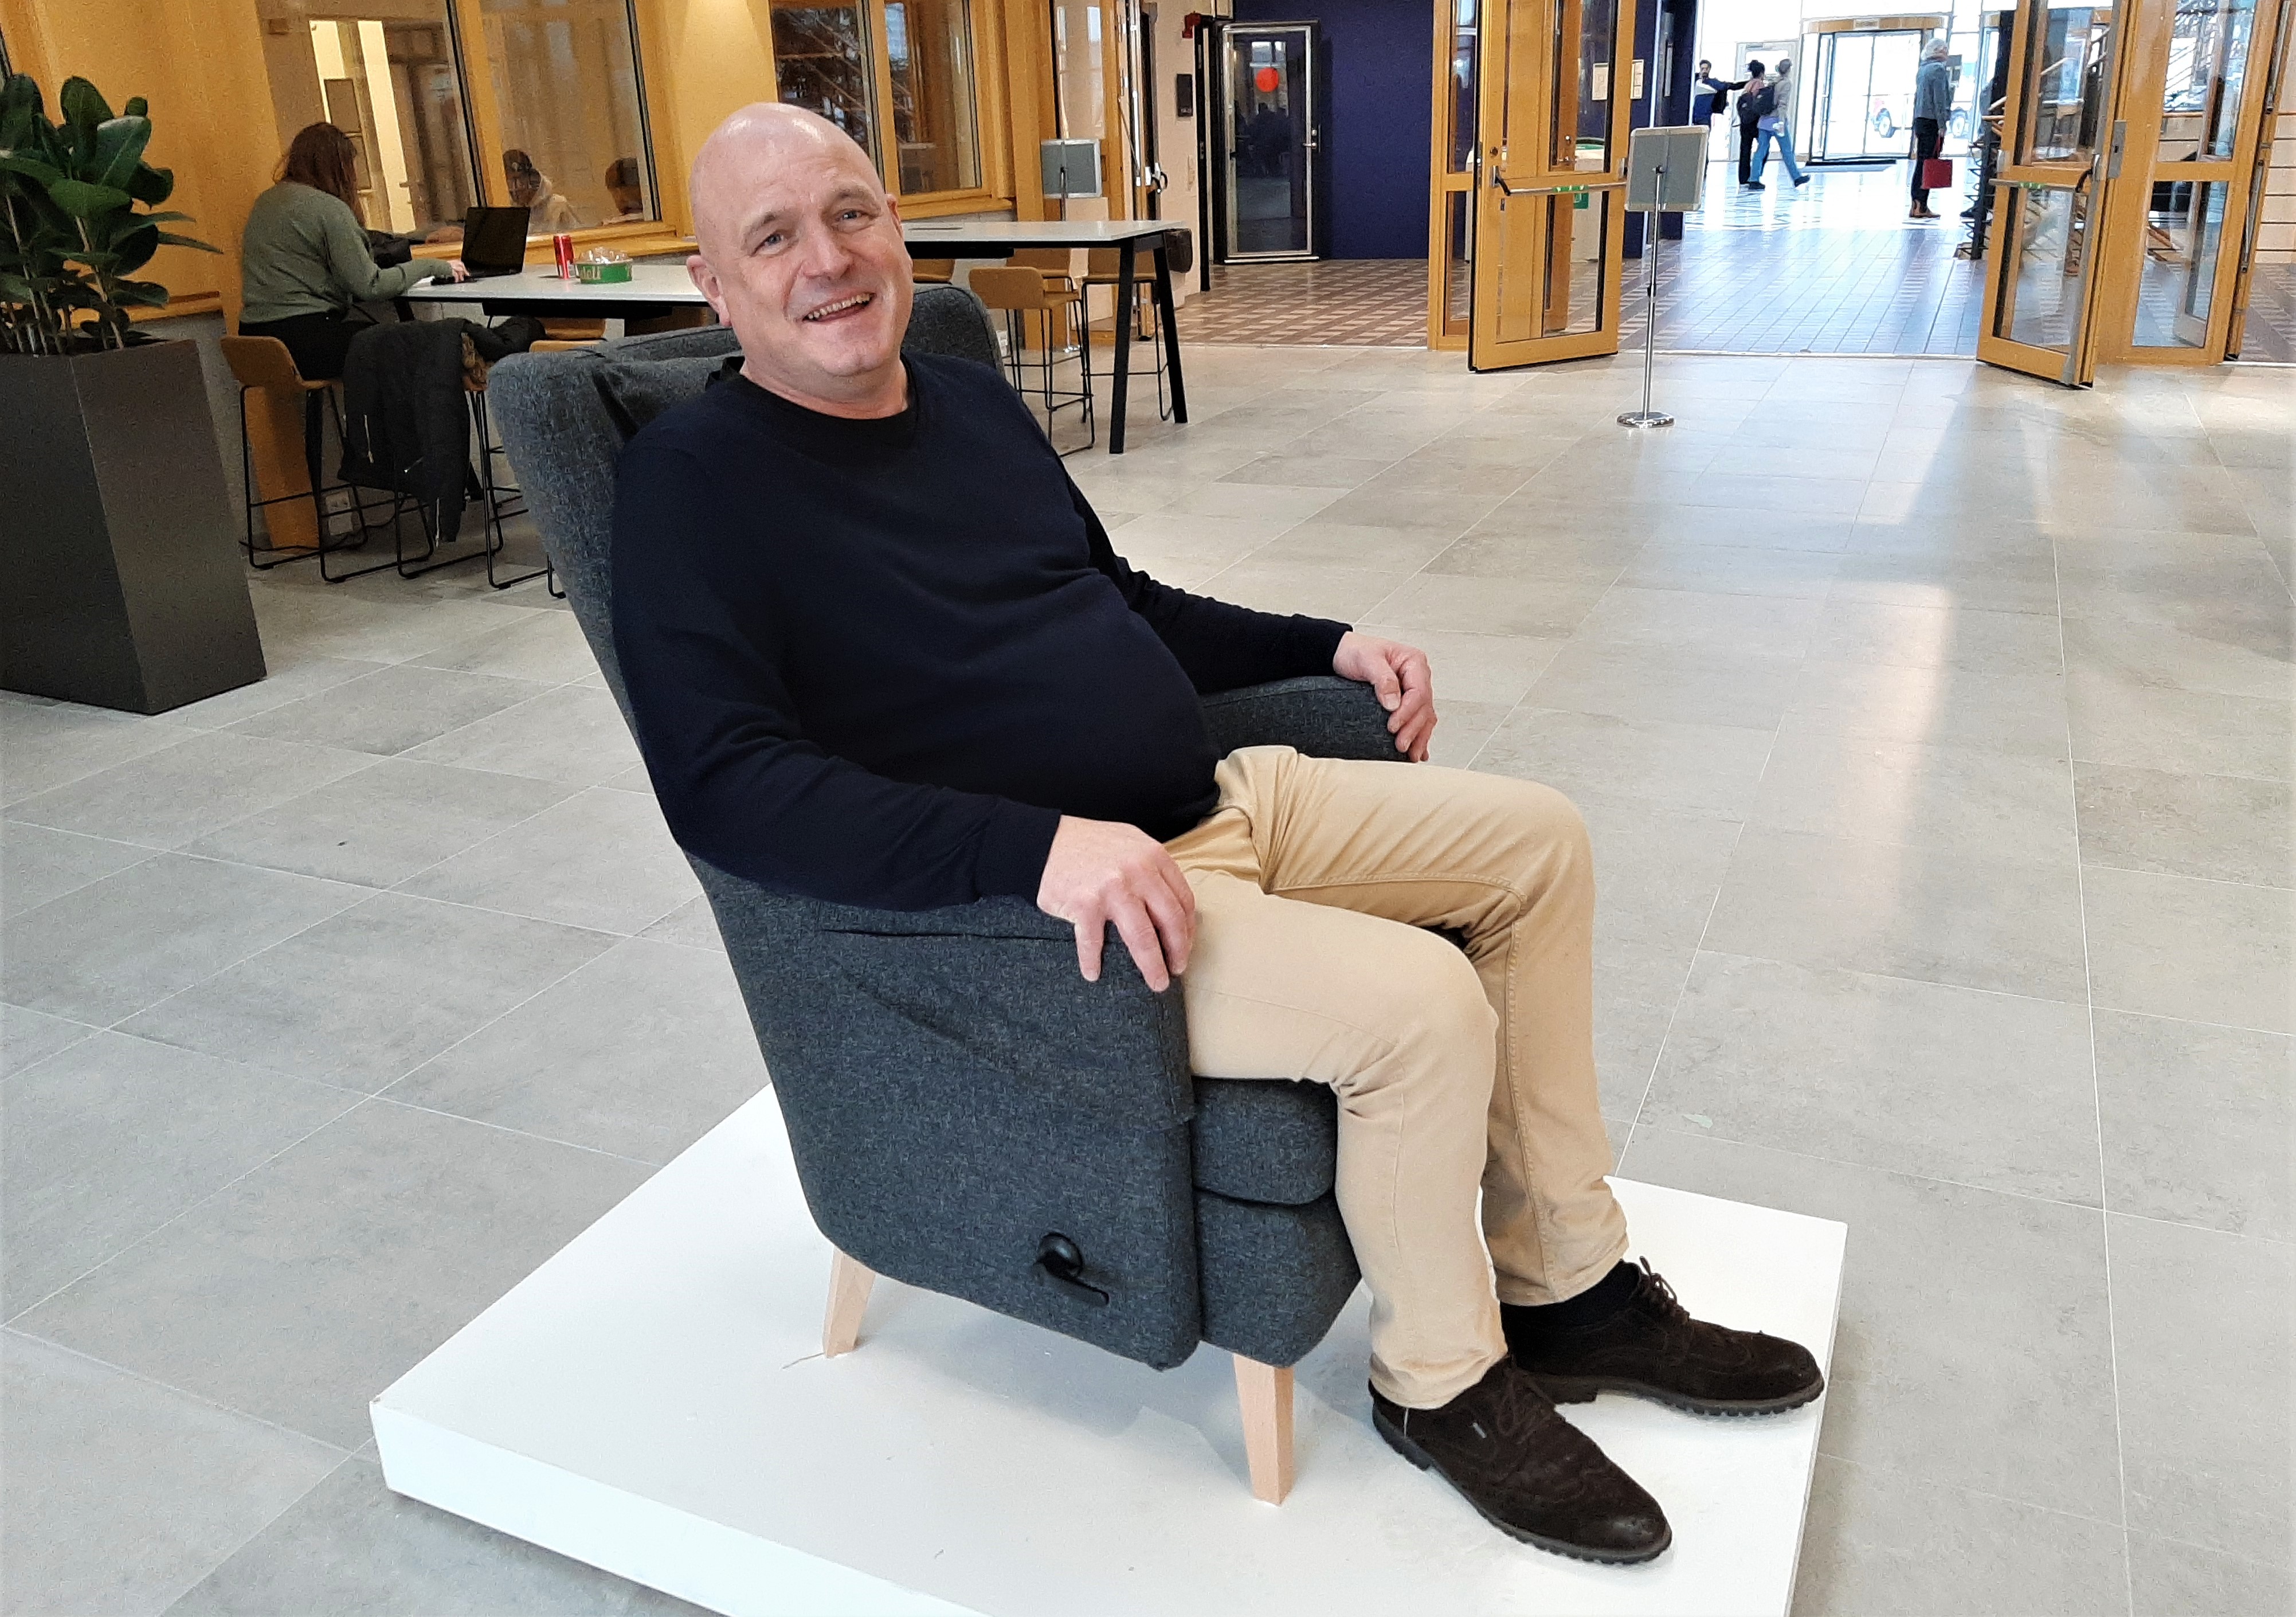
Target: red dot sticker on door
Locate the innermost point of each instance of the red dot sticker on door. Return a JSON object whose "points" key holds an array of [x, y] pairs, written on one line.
{"points": [[1266, 80]]}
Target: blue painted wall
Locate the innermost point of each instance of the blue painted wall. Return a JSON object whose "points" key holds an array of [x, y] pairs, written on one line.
{"points": [[1381, 62]]}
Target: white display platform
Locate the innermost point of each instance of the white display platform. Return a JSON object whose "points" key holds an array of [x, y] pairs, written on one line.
{"points": [[652, 1400]]}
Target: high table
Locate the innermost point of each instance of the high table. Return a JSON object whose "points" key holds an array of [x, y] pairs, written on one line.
{"points": [[655, 288], [999, 238]]}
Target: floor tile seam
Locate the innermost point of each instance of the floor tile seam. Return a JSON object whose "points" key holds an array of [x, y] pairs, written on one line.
{"points": [[368, 895], [1840, 1459], [2035, 1197], [2097, 1099], [185, 1212], [117, 1031], [385, 1098], [349, 1457], [2022, 860], [2275, 1241], [102, 1362], [2132, 870], [117, 1024], [1926, 982], [500, 830], [1682, 993]]}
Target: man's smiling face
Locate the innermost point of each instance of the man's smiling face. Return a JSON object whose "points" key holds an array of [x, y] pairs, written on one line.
{"points": [[800, 253]]}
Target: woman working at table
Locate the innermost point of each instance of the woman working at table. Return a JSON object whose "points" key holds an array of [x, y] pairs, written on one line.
{"points": [[304, 261]]}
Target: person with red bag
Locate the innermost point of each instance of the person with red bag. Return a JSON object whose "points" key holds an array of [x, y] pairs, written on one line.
{"points": [[1932, 106]]}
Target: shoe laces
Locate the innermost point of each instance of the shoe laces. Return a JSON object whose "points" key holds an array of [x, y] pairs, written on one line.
{"points": [[1658, 1297], [1521, 1407]]}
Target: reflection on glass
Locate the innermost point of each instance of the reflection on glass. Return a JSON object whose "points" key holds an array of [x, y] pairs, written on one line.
{"points": [[820, 63], [1076, 71], [2183, 231], [931, 45], [2208, 63], [1458, 262], [2064, 85], [390, 84], [566, 81], [1584, 31], [2042, 261], [1464, 66], [1267, 139]]}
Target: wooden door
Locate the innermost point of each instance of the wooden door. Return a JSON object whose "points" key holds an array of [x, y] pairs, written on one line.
{"points": [[1549, 225], [2062, 147]]}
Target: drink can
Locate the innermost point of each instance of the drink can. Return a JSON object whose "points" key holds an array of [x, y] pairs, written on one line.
{"points": [[564, 245]]}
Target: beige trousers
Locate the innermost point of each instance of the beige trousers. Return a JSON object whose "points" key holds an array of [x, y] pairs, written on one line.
{"points": [[1456, 1074]]}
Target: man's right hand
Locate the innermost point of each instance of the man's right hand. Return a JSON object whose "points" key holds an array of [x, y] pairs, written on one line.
{"points": [[1102, 871]]}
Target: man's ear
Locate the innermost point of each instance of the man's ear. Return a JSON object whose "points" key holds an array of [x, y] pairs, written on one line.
{"points": [[705, 282]]}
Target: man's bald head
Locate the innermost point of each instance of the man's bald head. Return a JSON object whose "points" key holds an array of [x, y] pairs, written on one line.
{"points": [[800, 253], [759, 141]]}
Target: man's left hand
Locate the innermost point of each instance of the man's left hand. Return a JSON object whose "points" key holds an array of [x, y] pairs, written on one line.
{"points": [[1399, 675]]}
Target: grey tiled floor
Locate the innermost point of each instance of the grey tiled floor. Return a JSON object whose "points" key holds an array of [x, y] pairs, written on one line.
{"points": [[1934, 728]]}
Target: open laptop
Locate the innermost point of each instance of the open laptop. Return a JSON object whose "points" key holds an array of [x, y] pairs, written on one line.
{"points": [[493, 241]]}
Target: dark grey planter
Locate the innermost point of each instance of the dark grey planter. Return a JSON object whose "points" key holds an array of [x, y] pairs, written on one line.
{"points": [[120, 582]]}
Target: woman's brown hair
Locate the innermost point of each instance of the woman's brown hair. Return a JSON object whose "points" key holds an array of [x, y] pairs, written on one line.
{"points": [[320, 157]]}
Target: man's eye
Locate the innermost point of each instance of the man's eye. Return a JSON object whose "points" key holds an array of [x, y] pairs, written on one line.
{"points": [[775, 240]]}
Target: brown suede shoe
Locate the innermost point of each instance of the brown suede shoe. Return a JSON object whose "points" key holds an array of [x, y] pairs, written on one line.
{"points": [[1531, 1474], [1654, 1348]]}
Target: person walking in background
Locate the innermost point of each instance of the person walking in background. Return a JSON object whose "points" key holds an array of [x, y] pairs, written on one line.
{"points": [[1932, 106], [1774, 127], [1755, 102], [1707, 94]]}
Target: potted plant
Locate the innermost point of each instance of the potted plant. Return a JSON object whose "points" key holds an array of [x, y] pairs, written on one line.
{"points": [[119, 578]]}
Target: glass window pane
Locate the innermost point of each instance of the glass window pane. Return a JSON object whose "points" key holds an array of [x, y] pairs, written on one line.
{"points": [[2043, 246], [1464, 66], [1550, 269], [390, 84], [1458, 261], [566, 88], [931, 45], [2183, 231], [1583, 33], [822, 63], [1267, 166], [2065, 84], [2208, 63]]}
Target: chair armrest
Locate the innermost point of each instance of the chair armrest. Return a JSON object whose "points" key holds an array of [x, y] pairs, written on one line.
{"points": [[1322, 715]]}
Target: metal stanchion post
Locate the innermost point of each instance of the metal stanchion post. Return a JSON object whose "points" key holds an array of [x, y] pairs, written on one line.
{"points": [[1646, 416]]}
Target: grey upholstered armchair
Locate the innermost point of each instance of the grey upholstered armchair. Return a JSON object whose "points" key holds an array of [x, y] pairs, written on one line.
{"points": [[966, 1112]]}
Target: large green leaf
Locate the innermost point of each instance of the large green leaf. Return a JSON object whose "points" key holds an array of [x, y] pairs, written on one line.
{"points": [[82, 103], [136, 107], [119, 151], [168, 238], [140, 294], [152, 187], [85, 201], [32, 167], [23, 114], [132, 249]]}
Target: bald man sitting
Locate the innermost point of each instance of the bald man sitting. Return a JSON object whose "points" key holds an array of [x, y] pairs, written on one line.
{"points": [[880, 652]]}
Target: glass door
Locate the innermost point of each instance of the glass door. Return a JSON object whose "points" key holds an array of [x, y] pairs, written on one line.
{"points": [[2063, 144], [1550, 230], [2197, 92], [1451, 184], [1266, 167]]}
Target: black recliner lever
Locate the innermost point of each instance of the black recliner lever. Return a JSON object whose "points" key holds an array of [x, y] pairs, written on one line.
{"points": [[1061, 1263]]}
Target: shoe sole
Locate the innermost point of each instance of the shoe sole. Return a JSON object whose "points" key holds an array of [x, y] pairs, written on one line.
{"points": [[1420, 1457], [1583, 1390]]}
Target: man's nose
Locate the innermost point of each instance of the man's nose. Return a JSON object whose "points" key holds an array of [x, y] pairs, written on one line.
{"points": [[826, 255]]}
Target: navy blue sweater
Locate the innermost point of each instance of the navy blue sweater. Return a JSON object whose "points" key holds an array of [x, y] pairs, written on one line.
{"points": [[874, 661]]}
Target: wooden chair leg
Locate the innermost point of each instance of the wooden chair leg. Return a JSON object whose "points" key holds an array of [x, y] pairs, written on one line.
{"points": [[849, 1300], [1264, 1392]]}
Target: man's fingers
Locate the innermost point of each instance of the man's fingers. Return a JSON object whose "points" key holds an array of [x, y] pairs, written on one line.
{"points": [[1138, 931], [1175, 926], [1089, 940]]}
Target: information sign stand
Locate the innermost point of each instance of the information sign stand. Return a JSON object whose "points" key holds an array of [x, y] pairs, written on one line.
{"points": [[1666, 173]]}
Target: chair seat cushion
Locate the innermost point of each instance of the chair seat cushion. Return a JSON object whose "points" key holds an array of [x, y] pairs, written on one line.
{"points": [[1273, 1140]]}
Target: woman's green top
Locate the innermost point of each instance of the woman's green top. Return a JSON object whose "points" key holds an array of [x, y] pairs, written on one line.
{"points": [[304, 253]]}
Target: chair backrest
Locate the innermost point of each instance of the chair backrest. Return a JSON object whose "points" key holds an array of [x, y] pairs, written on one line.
{"points": [[1051, 260], [262, 362], [934, 272], [1010, 287]]}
